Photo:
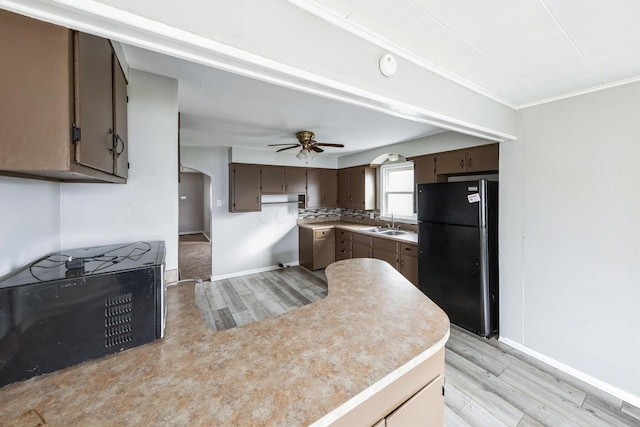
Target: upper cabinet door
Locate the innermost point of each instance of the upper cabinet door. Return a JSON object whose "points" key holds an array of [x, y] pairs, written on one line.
{"points": [[451, 162], [483, 159], [273, 179], [36, 90], [94, 108], [121, 148], [330, 188], [295, 180], [344, 188], [244, 194], [314, 188], [424, 169]]}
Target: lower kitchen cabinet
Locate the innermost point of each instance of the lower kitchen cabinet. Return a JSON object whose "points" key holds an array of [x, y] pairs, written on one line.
{"points": [[316, 248], [386, 250], [361, 246], [343, 245], [408, 262]]}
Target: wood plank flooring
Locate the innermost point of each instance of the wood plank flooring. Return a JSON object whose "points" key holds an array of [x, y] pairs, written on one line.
{"points": [[487, 382], [491, 384], [241, 300]]}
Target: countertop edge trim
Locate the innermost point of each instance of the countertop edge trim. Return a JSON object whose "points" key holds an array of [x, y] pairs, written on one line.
{"points": [[359, 398]]}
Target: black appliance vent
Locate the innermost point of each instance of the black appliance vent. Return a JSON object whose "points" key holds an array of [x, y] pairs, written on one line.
{"points": [[117, 323]]}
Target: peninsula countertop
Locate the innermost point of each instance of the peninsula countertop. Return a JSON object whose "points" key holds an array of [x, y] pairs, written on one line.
{"points": [[306, 365]]}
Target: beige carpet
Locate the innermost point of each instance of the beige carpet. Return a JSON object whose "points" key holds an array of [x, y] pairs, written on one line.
{"points": [[194, 257]]}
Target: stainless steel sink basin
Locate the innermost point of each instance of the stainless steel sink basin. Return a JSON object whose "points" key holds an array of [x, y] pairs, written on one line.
{"points": [[393, 232], [373, 229]]}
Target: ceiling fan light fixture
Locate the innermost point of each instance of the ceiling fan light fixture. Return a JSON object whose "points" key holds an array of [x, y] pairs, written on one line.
{"points": [[302, 155], [312, 154]]}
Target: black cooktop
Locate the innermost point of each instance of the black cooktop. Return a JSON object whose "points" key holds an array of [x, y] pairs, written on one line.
{"points": [[89, 261]]}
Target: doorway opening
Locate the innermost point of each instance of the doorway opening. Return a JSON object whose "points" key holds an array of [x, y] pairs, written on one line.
{"points": [[194, 250]]}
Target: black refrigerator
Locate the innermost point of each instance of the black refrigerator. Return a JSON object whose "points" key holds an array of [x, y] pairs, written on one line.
{"points": [[458, 251]]}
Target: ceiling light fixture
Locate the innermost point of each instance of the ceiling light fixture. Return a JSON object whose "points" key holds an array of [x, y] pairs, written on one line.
{"points": [[306, 154]]}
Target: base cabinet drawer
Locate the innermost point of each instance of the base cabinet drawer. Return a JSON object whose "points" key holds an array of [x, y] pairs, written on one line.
{"points": [[343, 254]]}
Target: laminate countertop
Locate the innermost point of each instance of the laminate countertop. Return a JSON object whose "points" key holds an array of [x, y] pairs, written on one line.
{"points": [[309, 365], [410, 237]]}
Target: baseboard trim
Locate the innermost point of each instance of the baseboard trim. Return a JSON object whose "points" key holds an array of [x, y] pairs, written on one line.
{"points": [[255, 270], [607, 388], [170, 276]]}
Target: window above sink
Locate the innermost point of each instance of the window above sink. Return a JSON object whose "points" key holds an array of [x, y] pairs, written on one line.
{"points": [[397, 192]]}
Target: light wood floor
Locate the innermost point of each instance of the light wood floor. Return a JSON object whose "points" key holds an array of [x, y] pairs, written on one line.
{"points": [[487, 383], [241, 300]]}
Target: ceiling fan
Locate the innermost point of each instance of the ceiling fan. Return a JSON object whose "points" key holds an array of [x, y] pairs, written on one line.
{"points": [[308, 147]]}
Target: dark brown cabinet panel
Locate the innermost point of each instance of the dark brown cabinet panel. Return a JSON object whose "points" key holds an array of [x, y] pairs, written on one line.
{"points": [[330, 188], [408, 262], [120, 99], [344, 188], [280, 179], [322, 188], [386, 250], [343, 244], [57, 78], [357, 188], [482, 159], [314, 188], [451, 162], [361, 246], [424, 169], [295, 180], [244, 188], [316, 248], [272, 179], [94, 101]]}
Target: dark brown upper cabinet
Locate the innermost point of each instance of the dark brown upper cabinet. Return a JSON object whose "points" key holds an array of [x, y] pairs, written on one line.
{"points": [[58, 104], [281, 179], [244, 188], [322, 188], [482, 159], [357, 188], [424, 169]]}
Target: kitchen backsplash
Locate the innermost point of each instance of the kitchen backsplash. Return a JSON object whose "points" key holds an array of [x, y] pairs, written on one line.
{"points": [[350, 215], [346, 214]]}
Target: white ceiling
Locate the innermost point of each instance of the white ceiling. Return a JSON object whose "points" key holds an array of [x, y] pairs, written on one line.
{"points": [[517, 52], [221, 109], [522, 52]]}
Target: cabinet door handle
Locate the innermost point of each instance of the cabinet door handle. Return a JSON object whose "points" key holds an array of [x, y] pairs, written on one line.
{"points": [[408, 249], [470, 161], [462, 163], [258, 199]]}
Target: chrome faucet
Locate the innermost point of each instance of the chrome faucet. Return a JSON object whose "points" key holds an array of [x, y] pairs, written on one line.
{"points": [[393, 222]]}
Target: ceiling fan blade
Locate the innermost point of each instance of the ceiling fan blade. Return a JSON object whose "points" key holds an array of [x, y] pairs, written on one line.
{"points": [[330, 145], [288, 148], [316, 149], [275, 145]]}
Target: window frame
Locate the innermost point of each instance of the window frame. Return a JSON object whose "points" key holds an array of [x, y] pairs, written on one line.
{"points": [[384, 213]]}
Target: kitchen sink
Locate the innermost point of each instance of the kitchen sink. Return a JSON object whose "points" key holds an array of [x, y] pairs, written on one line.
{"points": [[393, 232], [385, 231]]}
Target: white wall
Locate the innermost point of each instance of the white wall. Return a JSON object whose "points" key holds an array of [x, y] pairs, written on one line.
{"points": [[248, 241], [146, 208], [29, 221], [570, 235]]}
